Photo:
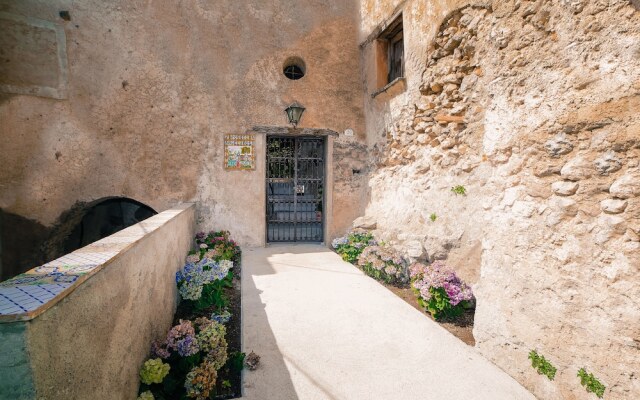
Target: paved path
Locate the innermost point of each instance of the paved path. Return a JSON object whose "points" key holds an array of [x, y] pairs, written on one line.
{"points": [[324, 330]]}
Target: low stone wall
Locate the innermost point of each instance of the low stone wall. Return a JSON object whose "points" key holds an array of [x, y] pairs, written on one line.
{"points": [[90, 339]]}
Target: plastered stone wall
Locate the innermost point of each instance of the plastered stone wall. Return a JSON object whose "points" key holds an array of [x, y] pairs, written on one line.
{"points": [[153, 87], [533, 107]]}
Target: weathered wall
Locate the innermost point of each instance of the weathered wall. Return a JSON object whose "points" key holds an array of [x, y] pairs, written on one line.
{"points": [[152, 89], [17, 379], [532, 106], [97, 337]]}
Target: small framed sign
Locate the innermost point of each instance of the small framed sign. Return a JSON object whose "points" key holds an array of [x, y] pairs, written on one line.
{"points": [[239, 152]]}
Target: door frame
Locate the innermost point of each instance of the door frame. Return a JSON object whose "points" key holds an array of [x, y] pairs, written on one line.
{"points": [[327, 195], [295, 212]]}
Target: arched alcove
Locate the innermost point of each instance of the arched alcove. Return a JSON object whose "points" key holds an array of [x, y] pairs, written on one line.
{"points": [[103, 218]]}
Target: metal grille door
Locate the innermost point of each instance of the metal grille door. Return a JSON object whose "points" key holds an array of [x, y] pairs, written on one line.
{"points": [[295, 187]]}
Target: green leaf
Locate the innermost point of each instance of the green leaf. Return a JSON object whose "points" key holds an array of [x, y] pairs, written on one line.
{"points": [[440, 307]]}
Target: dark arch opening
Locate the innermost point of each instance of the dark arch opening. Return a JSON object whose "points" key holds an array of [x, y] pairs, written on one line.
{"points": [[294, 68], [25, 243], [103, 218]]}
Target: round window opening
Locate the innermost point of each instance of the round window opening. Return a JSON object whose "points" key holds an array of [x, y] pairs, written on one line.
{"points": [[294, 68]]}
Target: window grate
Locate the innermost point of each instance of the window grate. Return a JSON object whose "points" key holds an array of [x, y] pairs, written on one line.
{"points": [[293, 72], [396, 56]]}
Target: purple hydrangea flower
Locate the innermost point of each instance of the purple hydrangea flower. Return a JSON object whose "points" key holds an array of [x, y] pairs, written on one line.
{"points": [[187, 346], [438, 275], [159, 349], [179, 332]]}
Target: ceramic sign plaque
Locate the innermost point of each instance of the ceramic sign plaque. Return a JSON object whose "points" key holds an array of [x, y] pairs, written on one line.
{"points": [[239, 152]]}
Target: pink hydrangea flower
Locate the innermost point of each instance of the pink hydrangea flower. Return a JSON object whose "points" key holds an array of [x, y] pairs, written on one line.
{"points": [[438, 275]]}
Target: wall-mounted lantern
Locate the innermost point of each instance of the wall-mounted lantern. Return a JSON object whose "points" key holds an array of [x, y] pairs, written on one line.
{"points": [[294, 113]]}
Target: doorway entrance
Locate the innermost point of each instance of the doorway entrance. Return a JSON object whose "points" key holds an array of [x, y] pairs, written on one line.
{"points": [[295, 189]]}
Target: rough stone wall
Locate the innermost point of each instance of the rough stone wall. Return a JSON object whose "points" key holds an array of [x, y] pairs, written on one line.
{"points": [[350, 168], [532, 106], [152, 89]]}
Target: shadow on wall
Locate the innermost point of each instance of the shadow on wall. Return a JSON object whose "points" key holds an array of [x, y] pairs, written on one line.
{"points": [[4, 97], [25, 243], [20, 244]]}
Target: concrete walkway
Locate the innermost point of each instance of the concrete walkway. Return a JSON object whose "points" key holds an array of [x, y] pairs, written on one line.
{"points": [[324, 330]]}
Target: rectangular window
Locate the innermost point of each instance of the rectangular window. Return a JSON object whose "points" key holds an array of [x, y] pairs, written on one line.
{"points": [[390, 53]]}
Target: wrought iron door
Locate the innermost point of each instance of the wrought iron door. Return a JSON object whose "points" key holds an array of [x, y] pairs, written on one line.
{"points": [[295, 189]]}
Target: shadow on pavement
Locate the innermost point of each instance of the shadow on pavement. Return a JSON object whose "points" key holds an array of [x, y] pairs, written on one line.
{"points": [[271, 380]]}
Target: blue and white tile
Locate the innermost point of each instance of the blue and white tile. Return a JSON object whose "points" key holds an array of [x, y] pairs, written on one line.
{"points": [[19, 299]]}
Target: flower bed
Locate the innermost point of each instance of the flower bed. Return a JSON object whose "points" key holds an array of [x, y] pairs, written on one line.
{"points": [[200, 356], [437, 289]]}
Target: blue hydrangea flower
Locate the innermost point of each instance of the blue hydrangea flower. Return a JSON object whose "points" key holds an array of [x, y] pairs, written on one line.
{"points": [[193, 277], [339, 242], [222, 318]]}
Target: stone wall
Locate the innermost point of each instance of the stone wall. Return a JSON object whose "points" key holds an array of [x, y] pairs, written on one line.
{"points": [[151, 88], [532, 106], [93, 337]]}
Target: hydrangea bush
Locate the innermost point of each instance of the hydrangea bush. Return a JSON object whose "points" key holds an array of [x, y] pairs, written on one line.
{"points": [[352, 245], [200, 381], [218, 246], [202, 281], [153, 371], [211, 336], [384, 263], [440, 291]]}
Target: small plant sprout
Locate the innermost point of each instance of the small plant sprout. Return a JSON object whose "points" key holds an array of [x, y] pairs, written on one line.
{"points": [[459, 190], [591, 383], [433, 217], [541, 364]]}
